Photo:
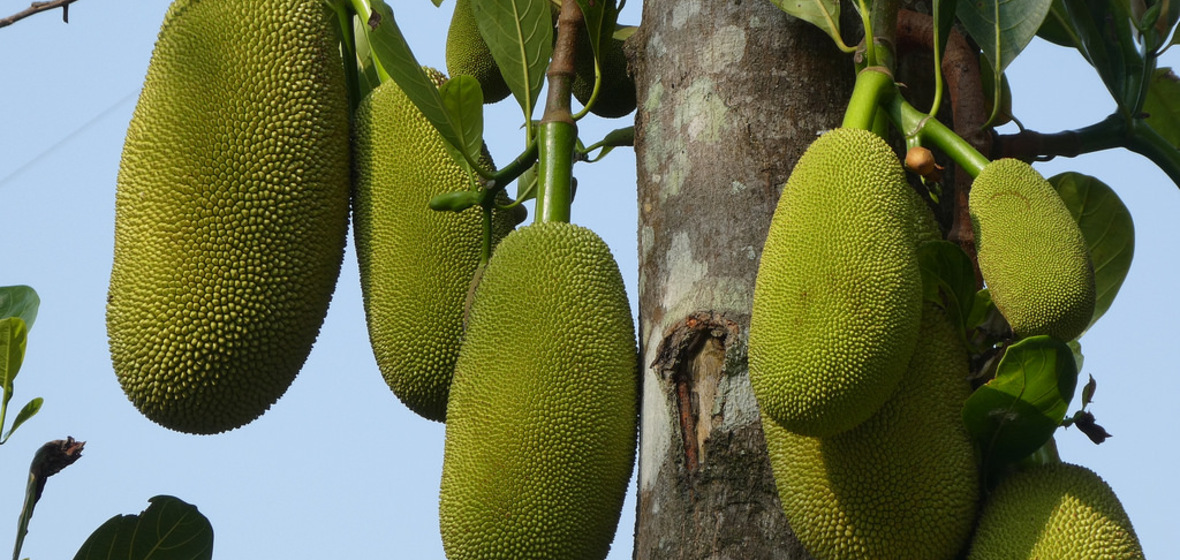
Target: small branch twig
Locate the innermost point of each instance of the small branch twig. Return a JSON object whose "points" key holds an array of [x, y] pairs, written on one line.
{"points": [[49, 460], [38, 7]]}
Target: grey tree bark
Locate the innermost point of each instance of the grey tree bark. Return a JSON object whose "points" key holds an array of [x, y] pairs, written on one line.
{"points": [[730, 94]]}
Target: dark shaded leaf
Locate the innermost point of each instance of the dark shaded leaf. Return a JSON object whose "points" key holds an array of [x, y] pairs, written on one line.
{"points": [[1088, 391], [1163, 105], [948, 279], [1001, 28], [169, 529], [1085, 422]]}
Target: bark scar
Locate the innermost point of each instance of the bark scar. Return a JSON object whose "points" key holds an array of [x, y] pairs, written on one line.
{"points": [[680, 357]]}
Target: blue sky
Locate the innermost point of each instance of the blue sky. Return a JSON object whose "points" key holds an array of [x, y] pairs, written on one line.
{"points": [[338, 468]]}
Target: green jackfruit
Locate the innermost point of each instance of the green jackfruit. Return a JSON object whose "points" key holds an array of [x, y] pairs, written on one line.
{"points": [[1055, 512], [838, 296], [903, 484], [616, 96], [231, 211], [1031, 253], [468, 54], [541, 425], [416, 264]]}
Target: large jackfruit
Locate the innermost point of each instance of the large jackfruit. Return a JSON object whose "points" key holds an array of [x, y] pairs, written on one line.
{"points": [[541, 425], [1055, 512], [903, 484], [416, 264], [468, 54], [231, 211], [838, 296], [1031, 253]]}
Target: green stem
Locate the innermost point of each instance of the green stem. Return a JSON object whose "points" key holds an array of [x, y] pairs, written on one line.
{"points": [[1145, 141], [514, 169], [347, 35], [556, 141], [914, 123], [364, 11], [871, 84]]}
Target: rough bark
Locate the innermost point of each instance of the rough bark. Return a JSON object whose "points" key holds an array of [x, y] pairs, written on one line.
{"points": [[730, 94]]}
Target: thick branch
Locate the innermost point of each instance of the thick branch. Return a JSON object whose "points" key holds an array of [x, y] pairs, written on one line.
{"points": [[38, 7]]}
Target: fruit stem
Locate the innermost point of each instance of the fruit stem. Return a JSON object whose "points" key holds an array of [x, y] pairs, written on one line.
{"points": [[510, 172], [916, 124], [871, 84], [555, 173]]}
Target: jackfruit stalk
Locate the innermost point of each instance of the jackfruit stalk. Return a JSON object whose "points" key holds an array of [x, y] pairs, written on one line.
{"points": [[231, 210], [416, 264], [903, 484], [1031, 253], [838, 296], [541, 425]]}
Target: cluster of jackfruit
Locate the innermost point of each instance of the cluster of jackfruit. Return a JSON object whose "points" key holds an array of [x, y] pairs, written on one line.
{"points": [[231, 210]]}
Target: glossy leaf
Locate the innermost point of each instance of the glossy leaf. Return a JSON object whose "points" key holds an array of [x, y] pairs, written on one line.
{"points": [[1163, 105], [1015, 413], [1057, 28], [1002, 28], [169, 529], [519, 33], [1108, 229], [13, 336], [30, 410], [463, 98], [824, 14], [19, 301], [948, 279]]}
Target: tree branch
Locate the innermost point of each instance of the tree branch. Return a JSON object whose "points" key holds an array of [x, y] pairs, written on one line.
{"points": [[38, 7]]}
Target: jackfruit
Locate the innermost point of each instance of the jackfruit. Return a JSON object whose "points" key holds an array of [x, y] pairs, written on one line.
{"points": [[838, 296], [1057, 511], [416, 264], [616, 96], [541, 425], [231, 211], [901, 485], [1031, 253], [468, 54]]}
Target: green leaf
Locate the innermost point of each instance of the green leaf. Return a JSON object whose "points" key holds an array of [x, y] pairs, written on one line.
{"points": [[1163, 105], [463, 99], [19, 301], [600, 20], [519, 34], [1015, 413], [1078, 358], [1108, 229], [944, 20], [1057, 28], [824, 14], [948, 279], [13, 336], [169, 529], [980, 309], [30, 409], [1104, 30], [1088, 392], [1002, 28]]}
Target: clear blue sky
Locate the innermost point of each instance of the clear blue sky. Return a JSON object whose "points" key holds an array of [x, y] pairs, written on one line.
{"points": [[338, 468]]}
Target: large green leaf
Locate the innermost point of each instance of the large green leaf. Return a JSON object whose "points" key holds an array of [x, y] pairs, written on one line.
{"points": [[1108, 229], [948, 279], [169, 529], [1163, 105], [824, 14], [1057, 28], [463, 98], [519, 33], [1002, 28], [13, 335], [19, 301], [1015, 413]]}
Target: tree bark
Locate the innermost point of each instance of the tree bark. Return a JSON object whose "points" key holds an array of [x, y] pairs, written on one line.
{"points": [[730, 94]]}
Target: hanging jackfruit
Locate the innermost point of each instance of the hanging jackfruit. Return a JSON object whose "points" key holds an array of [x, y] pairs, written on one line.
{"points": [[468, 54], [231, 210], [838, 296], [416, 264], [1055, 512], [616, 96], [541, 425], [901, 485], [1031, 253]]}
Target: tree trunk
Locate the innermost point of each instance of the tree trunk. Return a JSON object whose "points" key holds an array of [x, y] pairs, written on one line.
{"points": [[730, 94]]}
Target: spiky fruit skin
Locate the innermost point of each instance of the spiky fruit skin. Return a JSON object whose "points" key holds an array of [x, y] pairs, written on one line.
{"points": [[231, 211], [838, 295], [1031, 253], [541, 426], [616, 97], [468, 54], [1055, 512], [416, 264], [903, 484]]}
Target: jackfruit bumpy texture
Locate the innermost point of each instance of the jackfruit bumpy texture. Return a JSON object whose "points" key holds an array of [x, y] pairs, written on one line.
{"points": [[1055, 512], [416, 264], [541, 426], [838, 296], [1031, 253], [231, 211], [468, 54], [902, 485]]}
